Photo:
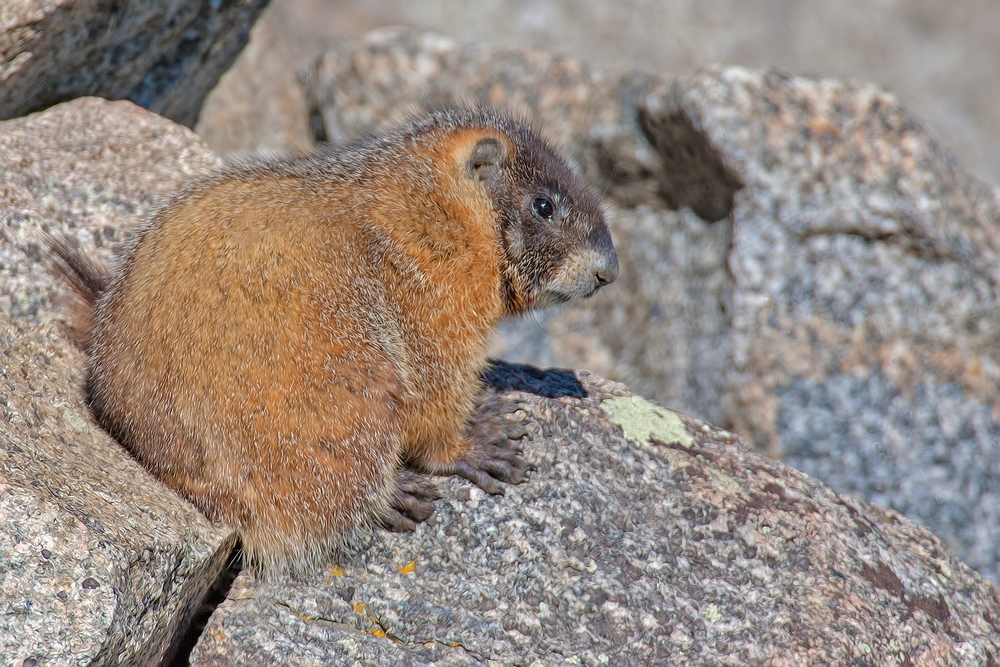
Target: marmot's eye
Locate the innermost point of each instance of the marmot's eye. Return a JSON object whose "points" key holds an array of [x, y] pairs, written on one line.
{"points": [[543, 208]]}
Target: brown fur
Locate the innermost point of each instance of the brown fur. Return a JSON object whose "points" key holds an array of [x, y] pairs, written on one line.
{"points": [[86, 279], [282, 336]]}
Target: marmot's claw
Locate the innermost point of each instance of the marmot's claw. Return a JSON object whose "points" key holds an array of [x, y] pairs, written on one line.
{"points": [[490, 421], [497, 444], [493, 404], [412, 483], [397, 523], [491, 460], [411, 502], [504, 462], [475, 473]]}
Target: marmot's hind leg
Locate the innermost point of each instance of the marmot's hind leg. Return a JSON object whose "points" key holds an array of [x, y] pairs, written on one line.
{"points": [[307, 498]]}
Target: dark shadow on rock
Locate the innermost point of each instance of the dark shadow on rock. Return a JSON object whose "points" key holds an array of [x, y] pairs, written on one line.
{"points": [[549, 383], [694, 172]]}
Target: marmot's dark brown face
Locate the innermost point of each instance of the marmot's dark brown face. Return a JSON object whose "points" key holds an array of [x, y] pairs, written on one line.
{"points": [[556, 240]]}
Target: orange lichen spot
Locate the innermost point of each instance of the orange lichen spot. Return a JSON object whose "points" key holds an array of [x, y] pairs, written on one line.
{"points": [[241, 594], [409, 567], [301, 614], [365, 612]]}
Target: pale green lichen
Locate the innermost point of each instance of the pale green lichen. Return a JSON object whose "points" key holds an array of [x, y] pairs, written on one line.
{"points": [[642, 421], [78, 423]]}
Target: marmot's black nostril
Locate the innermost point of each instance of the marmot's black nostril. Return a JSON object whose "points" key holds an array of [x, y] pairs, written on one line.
{"points": [[607, 271]]}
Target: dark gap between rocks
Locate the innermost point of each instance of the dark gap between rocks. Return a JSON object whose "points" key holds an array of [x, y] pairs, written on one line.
{"points": [[183, 642]]}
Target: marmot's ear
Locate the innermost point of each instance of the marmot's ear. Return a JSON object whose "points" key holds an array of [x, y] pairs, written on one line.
{"points": [[484, 163]]}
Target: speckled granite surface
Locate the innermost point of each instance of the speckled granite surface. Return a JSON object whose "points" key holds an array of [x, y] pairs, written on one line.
{"points": [[99, 563], [163, 56], [625, 553]]}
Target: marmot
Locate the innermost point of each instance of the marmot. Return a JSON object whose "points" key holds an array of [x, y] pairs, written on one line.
{"points": [[283, 336]]}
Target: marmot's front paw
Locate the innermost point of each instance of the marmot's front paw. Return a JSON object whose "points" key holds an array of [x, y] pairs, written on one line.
{"points": [[495, 447], [411, 502]]}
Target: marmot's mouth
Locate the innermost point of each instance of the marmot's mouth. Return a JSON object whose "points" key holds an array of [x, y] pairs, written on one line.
{"points": [[558, 297], [561, 293], [580, 276]]}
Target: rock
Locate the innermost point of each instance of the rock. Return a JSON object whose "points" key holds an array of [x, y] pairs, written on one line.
{"points": [[942, 59], [99, 563], [89, 169], [676, 546], [162, 56], [865, 329], [260, 104], [801, 262]]}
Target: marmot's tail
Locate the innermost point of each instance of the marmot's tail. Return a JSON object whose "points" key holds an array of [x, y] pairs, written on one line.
{"points": [[83, 278]]}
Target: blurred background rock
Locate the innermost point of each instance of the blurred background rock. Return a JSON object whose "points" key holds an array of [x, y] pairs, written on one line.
{"points": [[942, 59]]}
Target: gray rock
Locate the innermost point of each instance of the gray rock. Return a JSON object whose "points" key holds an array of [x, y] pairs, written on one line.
{"points": [[259, 104], [801, 262], [864, 335], [99, 563], [942, 59], [674, 546], [165, 56], [88, 169]]}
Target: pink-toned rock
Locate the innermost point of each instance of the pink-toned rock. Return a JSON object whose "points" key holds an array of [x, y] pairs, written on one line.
{"points": [[99, 563]]}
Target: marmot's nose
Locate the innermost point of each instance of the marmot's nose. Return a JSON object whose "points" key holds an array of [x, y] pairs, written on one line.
{"points": [[607, 269]]}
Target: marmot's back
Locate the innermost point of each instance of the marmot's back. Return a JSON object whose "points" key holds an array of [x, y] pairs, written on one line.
{"points": [[283, 334]]}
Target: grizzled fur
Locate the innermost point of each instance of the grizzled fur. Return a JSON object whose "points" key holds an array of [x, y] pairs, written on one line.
{"points": [[283, 335]]}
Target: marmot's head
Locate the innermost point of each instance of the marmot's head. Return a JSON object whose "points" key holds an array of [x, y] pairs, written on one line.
{"points": [[555, 240]]}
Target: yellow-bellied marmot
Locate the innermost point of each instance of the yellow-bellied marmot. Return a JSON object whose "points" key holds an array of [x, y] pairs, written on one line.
{"points": [[282, 336]]}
